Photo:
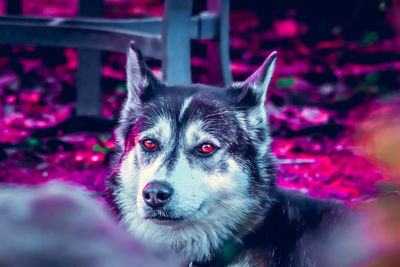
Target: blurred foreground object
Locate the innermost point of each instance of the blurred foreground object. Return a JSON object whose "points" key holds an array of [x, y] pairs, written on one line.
{"points": [[60, 225], [383, 230], [369, 238], [379, 139]]}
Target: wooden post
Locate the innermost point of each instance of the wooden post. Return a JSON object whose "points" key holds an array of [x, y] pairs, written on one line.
{"points": [[218, 51], [176, 41], [88, 80], [14, 7]]}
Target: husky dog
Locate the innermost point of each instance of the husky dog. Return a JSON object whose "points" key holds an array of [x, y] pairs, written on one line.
{"points": [[195, 174]]}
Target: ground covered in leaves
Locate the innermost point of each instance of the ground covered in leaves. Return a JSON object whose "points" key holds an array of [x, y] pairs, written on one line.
{"points": [[332, 77]]}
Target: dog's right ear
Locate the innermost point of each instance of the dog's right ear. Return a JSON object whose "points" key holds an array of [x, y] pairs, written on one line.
{"points": [[141, 82], [142, 85]]}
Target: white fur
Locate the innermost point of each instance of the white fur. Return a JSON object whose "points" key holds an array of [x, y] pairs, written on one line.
{"points": [[136, 80], [162, 131], [212, 205], [195, 135], [185, 105], [243, 263]]}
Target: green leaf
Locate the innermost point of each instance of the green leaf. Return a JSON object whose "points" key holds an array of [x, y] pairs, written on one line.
{"points": [[369, 38], [32, 141], [97, 148], [286, 82], [121, 88]]}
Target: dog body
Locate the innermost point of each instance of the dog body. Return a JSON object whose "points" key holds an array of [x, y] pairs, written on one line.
{"points": [[195, 174]]}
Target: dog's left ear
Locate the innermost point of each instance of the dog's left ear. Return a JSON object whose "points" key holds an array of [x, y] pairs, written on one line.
{"points": [[260, 79], [249, 96]]}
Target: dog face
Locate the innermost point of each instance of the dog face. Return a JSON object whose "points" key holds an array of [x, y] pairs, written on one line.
{"points": [[195, 159]]}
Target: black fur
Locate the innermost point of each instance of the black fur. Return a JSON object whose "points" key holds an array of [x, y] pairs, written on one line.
{"points": [[289, 227], [291, 234], [283, 225]]}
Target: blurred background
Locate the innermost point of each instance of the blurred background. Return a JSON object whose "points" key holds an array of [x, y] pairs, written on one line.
{"points": [[333, 103]]}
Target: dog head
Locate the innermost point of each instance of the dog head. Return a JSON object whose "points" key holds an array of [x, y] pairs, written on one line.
{"points": [[195, 159]]}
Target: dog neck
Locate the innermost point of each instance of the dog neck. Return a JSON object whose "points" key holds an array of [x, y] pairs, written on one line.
{"points": [[225, 255], [233, 246]]}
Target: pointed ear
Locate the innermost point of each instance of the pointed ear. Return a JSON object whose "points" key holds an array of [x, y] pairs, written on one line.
{"points": [[142, 85], [260, 79], [141, 82], [250, 96]]}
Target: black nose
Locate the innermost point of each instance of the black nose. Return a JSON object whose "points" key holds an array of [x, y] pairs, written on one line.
{"points": [[157, 194]]}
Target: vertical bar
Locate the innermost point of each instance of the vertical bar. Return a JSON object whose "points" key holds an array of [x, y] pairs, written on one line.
{"points": [[91, 8], [176, 41], [218, 51], [88, 83], [88, 80], [14, 7]]}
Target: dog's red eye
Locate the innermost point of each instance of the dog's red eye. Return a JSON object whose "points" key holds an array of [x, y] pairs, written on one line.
{"points": [[206, 148], [149, 144]]}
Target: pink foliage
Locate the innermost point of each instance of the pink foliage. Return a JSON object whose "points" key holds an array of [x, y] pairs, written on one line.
{"points": [[323, 164]]}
